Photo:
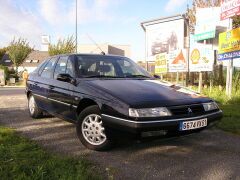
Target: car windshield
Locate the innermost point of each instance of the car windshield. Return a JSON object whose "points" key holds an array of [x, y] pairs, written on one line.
{"points": [[109, 67]]}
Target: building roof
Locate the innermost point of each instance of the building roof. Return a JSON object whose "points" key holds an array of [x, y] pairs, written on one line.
{"points": [[35, 58], [5, 61], [32, 60]]}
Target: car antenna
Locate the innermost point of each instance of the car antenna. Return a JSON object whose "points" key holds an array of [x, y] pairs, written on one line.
{"points": [[102, 52]]}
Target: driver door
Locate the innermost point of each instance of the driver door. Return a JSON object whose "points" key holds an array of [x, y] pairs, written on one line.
{"points": [[60, 94]]}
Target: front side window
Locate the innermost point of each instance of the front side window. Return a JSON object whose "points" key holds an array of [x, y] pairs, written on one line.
{"points": [[61, 66], [70, 68], [108, 66], [48, 69]]}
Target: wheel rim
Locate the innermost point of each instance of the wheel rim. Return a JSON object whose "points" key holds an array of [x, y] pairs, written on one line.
{"points": [[93, 130], [31, 105]]}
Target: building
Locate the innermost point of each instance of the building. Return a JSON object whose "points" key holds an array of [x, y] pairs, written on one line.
{"points": [[30, 63], [33, 60], [122, 50]]}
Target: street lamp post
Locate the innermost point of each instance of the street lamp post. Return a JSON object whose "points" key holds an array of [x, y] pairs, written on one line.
{"points": [[76, 28]]}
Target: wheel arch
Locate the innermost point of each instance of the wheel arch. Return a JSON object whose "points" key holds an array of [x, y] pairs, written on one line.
{"points": [[84, 103]]}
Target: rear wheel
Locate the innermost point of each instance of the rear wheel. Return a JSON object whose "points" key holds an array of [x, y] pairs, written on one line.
{"points": [[34, 110], [91, 131]]}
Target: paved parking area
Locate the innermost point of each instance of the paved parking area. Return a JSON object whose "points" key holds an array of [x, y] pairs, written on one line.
{"points": [[211, 154]]}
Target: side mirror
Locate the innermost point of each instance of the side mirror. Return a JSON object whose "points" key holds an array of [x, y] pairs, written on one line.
{"points": [[66, 78], [156, 76]]}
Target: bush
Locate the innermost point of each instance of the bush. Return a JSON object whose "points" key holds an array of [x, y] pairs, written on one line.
{"points": [[6, 71]]}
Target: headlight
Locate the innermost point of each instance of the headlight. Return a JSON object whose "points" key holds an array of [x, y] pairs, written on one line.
{"points": [[210, 106], [149, 112]]}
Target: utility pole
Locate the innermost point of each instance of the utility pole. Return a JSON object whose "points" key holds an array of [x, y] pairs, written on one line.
{"points": [[76, 28]]}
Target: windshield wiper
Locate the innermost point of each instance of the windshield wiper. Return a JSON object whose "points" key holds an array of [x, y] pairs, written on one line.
{"points": [[137, 76]]}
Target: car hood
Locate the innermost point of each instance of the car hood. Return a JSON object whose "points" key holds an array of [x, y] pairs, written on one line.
{"points": [[140, 93]]}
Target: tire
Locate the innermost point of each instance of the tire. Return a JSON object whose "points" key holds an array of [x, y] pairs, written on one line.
{"points": [[90, 129], [34, 111]]}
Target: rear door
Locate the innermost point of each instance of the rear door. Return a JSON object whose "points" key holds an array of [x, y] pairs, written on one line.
{"points": [[42, 84]]}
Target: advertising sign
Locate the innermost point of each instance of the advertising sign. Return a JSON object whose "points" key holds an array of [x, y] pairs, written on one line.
{"points": [[161, 63], [206, 22], [177, 61], [201, 59], [229, 44], [163, 37], [230, 8]]}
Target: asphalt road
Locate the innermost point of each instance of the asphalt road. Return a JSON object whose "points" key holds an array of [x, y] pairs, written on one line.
{"points": [[211, 154], [11, 91]]}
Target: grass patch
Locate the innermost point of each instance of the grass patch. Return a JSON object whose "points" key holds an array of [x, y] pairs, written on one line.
{"points": [[230, 107], [21, 158]]}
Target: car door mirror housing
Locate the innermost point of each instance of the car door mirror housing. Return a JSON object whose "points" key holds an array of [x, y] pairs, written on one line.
{"points": [[66, 78], [156, 76]]}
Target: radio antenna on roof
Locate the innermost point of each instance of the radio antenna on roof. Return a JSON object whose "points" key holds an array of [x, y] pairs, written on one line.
{"points": [[102, 52]]}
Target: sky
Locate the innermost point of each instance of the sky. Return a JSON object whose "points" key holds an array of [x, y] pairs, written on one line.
{"points": [[106, 21]]}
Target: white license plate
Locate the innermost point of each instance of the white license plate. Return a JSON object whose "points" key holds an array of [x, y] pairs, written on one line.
{"points": [[187, 125]]}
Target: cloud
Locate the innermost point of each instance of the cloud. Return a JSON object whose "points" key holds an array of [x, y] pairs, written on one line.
{"points": [[173, 5], [58, 12], [15, 21]]}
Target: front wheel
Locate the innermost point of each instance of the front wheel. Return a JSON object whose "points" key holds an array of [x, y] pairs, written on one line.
{"points": [[90, 129], [34, 110]]}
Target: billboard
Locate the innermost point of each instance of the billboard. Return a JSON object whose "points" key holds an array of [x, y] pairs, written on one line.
{"points": [[177, 61], [229, 8], [164, 37], [201, 59], [229, 44], [206, 23], [161, 63]]}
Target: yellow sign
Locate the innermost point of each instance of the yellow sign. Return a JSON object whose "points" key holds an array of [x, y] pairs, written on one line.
{"points": [[161, 63], [229, 41], [195, 56]]}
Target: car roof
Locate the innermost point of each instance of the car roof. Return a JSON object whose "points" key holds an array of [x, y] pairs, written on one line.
{"points": [[86, 54]]}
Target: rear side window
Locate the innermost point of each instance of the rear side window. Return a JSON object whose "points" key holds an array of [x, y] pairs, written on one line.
{"points": [[61, 66], [48, 68]]}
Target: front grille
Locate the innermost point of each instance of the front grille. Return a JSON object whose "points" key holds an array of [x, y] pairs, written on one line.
{"points": [[196, 109]]}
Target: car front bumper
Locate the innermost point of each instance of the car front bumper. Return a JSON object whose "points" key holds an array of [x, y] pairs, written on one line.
{"points": [[169, 124]]}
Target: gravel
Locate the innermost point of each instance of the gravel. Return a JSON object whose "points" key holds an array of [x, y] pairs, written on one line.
{"points": [[211, 154]]}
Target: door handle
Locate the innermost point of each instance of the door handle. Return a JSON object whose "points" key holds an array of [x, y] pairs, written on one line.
{"points": [[51, 87]]}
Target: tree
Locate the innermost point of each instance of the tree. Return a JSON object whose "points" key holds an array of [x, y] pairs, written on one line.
{"points": [[18, 50], [62, 47], [236, 21], [2, 53]]}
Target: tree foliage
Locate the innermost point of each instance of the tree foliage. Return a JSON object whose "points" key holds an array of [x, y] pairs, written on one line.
{"points": [[204, 4], [2, 52], [63, 46], [18, 50]]}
